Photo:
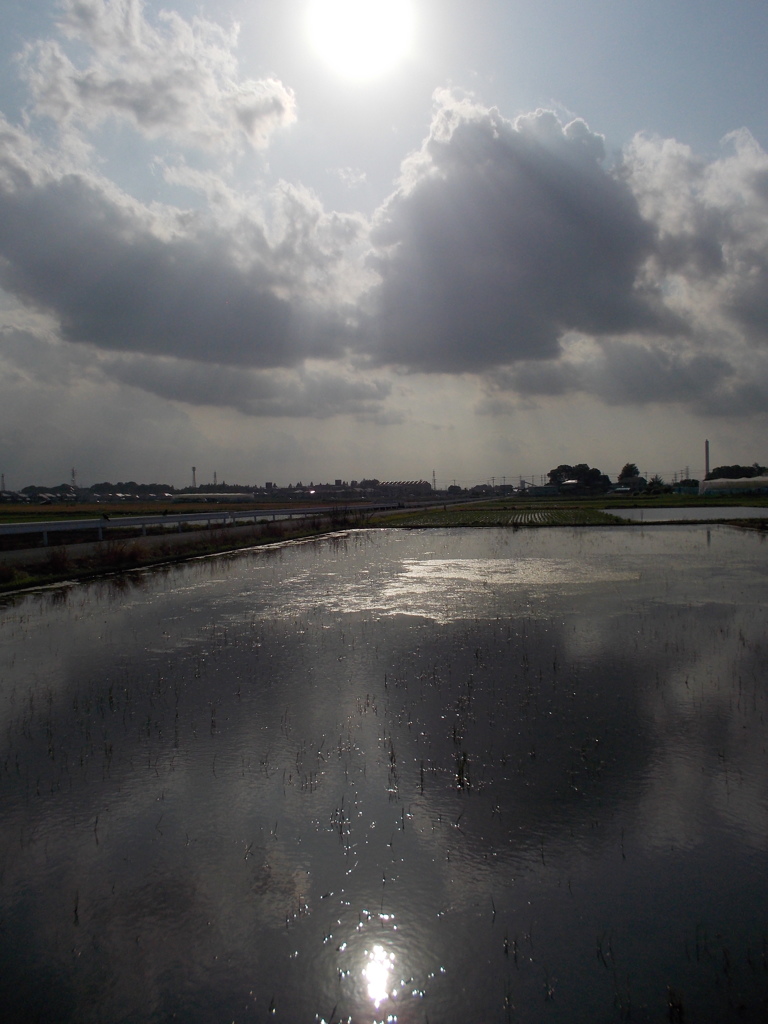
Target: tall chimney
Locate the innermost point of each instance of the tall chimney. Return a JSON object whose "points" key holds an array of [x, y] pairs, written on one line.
{"points": [[706, 458]]}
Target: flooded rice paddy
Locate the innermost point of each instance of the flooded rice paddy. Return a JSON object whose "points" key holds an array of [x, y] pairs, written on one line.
{"points": [[427, 776], [677, 515]]}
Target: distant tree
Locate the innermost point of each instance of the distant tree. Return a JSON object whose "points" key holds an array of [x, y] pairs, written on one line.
{"points": [[629, 470], [222, 488], [590, 478], [562, 472], [656, 485], [735, 472]]}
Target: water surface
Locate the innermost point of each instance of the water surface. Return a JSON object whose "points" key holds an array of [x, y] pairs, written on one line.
{"points": [[677, 515], [440, 776]]}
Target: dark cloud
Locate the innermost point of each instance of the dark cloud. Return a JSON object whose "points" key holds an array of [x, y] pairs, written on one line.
{"points": [[634, 373], [113, 280], [708, 260], [503, 241], [316, 393], [623, 373], [748, 303], [501, 236]]}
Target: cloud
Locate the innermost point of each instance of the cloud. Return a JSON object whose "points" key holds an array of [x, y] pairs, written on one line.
{"points": [[620, 372], [510, 252], [113, 282], [31, 356], [352, 177], [176, 79], [218, 285], [59, 410], [259, 281], [711, 221], [310, 391], [636, 372], [500, 237], [314, 390]]}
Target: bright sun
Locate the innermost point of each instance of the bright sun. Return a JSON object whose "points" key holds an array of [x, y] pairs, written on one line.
{"points": [[361, 38]]}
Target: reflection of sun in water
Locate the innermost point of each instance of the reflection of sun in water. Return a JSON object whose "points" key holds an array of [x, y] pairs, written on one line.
{"points": [[361, 38], [376, 973]]}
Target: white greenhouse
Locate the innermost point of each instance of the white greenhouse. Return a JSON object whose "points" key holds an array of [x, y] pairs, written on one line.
{"points": [[743, 485]]}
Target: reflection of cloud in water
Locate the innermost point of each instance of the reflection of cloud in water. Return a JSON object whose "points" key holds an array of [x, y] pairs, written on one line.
{"points": [[611, 726], [707, 710], [445, 589], [676, 810]]}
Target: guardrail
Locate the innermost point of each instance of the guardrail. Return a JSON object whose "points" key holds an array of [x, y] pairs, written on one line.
{"points": [[102, 526]]}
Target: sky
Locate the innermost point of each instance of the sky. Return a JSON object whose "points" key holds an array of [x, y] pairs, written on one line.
{"points": [[297, 240]]}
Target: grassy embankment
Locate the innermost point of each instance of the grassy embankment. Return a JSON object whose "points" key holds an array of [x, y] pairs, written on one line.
{"points": [[79, 556], [89, 511]]}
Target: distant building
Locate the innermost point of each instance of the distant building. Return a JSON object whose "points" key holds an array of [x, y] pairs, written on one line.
{"points": [[405, 488], [630, 485], [572, 487], [234, 497]]}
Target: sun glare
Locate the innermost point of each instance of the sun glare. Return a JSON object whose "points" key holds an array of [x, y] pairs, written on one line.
{"points": [[361, 38], [376, 974]]}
